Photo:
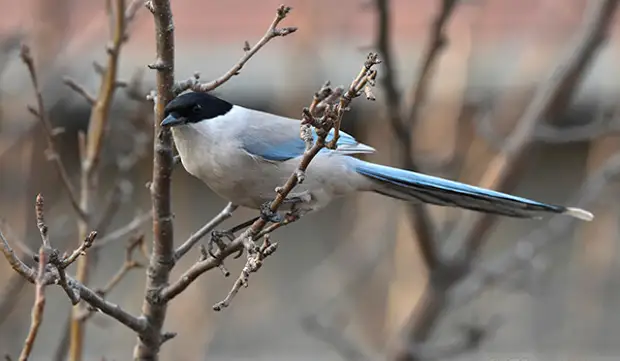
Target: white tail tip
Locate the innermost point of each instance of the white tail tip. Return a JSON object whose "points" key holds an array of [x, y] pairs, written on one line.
{"points": [[579, 213]]}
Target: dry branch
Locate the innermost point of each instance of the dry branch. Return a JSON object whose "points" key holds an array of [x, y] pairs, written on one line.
{"points": [[403, 120], [204, 230], [53, 276], [162, 255], [51, 151], [39, 304], [92, 146], [501, 267], [272, 32]]}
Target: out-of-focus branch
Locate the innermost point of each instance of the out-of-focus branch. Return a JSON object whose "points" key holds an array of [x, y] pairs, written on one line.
{"points": [[471, 339], [123, 231], [92, 146], [321, 115], [272, 32], [505, 265], [602, 124], [403, 120], [79, 89], [10, 295], [437, 42], [134, 244], [555, 92], [100, 112], [50, 133], [347, 349], [39, 304]]}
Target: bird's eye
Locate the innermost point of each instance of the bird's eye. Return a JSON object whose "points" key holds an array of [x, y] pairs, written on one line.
{"points": [[197, 108]]}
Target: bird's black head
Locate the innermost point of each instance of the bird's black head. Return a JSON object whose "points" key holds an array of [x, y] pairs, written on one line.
{"points": [[194, 107]]}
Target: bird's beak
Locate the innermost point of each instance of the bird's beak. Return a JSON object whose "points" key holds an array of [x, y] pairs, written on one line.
{"points": [[171, 121]]}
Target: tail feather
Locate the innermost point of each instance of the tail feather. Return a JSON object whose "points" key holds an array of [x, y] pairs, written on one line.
{"points": [[412, 186]]}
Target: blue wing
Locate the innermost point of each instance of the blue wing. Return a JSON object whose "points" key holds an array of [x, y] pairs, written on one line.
{"points": [[278, 148]]}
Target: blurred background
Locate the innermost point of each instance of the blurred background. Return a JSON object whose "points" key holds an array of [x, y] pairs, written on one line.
{"points": [[347, 282]]}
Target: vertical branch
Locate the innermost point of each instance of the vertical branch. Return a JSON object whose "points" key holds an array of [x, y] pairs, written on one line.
{"points": [[91, 154], [437, 42], [422, 221], [39, 304], [162, 255]]}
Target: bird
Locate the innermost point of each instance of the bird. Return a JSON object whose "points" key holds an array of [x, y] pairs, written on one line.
{"points": [[243, 155]]}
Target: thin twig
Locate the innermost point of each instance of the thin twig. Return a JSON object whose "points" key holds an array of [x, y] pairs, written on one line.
{"points": [[80, 90], [85, 293], [80, 251], [128, 265], [204, 230], [51, 152], [123, 231], [272, 32]]}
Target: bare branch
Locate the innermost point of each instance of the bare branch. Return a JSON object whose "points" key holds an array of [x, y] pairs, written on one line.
{"points": [[18, 266], [51, 151], [505, 265], [100, 113], [123, 231], [334, 338], [85, 293], [80, 90], [437, 42], [128, 265], [422, 221], [162, 255], [272, 32], [80, 251], [39, 304], [266, 249], [204, 230]]}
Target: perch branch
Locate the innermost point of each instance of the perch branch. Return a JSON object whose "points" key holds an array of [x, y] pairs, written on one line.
{"points": [[162, 254], [39, 304], [204, 230]]}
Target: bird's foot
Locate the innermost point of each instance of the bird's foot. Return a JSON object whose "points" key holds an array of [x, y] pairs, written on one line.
{"points": [[223, 238], [268, 215]]}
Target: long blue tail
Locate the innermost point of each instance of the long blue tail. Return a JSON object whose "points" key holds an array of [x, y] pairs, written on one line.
{"points": [[412, 186]]}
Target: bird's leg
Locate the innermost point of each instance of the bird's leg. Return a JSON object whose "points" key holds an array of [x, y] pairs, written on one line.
{"points": [[217, 237]]}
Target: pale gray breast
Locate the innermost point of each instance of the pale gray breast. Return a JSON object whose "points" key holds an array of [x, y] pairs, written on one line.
{"points": [[211, 151]]}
